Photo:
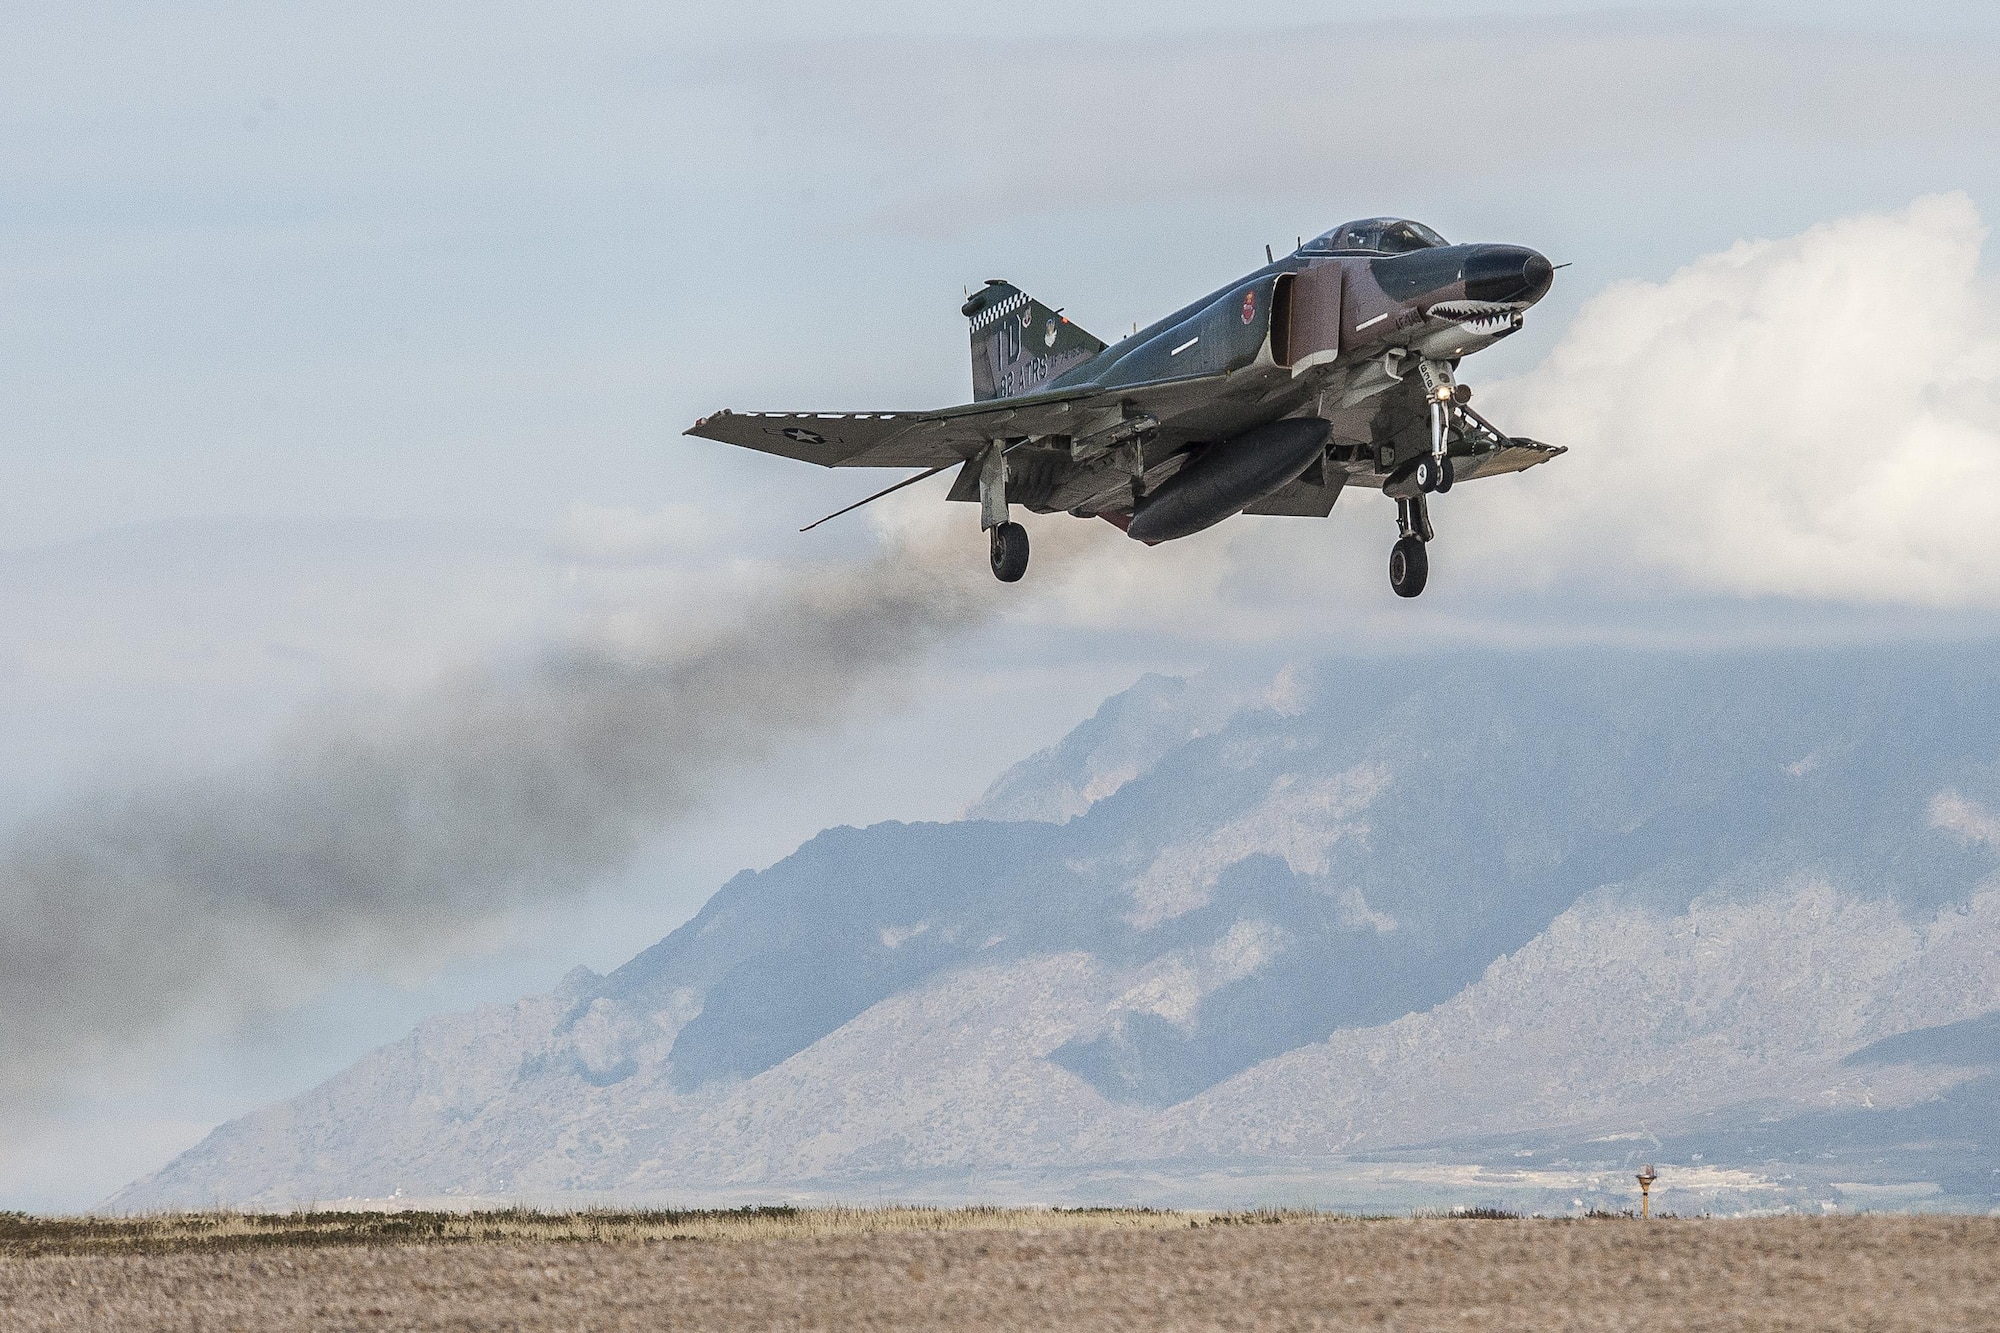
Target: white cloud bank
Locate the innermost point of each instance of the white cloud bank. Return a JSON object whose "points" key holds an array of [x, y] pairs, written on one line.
{"points": [[1816, 417], [1813, 419]]}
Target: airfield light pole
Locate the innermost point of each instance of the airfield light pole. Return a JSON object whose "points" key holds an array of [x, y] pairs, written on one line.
{"points": [[1646, 1178]]}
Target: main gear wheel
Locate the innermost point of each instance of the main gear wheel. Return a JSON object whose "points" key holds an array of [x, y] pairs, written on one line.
{"points": [[1409, 565], [1008, 547]]}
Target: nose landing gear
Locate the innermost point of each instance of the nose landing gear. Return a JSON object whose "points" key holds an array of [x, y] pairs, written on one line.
{"points": [[1445, 395]]}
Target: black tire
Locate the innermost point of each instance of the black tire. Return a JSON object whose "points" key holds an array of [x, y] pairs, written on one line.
{"points": [[1409, 566], [1447, 474], [1009, 551], [1427, 475]]}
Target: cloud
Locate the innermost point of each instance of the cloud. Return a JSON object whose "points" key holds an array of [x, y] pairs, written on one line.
{"points": [[1815, 417], [1972, 822], [366, 837]]}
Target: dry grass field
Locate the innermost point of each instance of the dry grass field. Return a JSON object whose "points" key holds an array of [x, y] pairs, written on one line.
{"points": [[992, 1270]]}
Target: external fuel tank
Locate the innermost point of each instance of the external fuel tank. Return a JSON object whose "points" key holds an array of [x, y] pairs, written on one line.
{"points": [[1228, 476]]}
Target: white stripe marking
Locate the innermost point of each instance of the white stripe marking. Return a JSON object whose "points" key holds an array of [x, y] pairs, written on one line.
{"points": [[1370, 323], [1184, 346]]}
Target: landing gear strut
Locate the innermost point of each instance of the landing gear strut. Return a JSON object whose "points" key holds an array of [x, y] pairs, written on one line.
{"points": [[1007, 541], [1443, 393], [1409, 558]]}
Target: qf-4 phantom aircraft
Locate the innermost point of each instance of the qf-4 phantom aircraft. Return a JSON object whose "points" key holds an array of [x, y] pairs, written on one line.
{"points": [[1336, 366]]}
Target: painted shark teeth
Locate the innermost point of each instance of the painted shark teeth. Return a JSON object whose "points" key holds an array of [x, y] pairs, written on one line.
{"points": [[1485, 318], [1474, 309]]}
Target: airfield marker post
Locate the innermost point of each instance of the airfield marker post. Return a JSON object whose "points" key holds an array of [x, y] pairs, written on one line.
{"points": [[1646, 1178]]}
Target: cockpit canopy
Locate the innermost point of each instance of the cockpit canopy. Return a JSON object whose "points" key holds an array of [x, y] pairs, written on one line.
{"points": [[1375, 236]]}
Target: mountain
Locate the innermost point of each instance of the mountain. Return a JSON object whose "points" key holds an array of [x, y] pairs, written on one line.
{"points": [[1126, 738], [1442, 929]]}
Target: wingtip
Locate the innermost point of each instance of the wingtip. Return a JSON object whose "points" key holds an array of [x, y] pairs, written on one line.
{"points": [[700, 422]]}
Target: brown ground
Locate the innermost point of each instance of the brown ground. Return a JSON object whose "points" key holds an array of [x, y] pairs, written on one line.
{"points": [[1045, 1272]]}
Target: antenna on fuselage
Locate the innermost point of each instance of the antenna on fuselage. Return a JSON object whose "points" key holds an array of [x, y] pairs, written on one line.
{"points": [[1268, 257]]}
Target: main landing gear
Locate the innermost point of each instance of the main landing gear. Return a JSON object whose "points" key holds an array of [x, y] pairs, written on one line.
{"points": [[1409, 558], [1007, 541], [1434, 474]]}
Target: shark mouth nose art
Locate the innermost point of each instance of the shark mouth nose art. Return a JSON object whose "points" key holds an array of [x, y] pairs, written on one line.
{"points": [[1487, 319]]}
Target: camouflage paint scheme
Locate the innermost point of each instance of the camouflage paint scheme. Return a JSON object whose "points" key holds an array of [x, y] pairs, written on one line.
{"points": [[1335, 331]]}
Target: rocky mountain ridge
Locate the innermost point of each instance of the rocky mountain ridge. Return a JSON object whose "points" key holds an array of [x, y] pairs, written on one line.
{"points": [[1484, 923]]}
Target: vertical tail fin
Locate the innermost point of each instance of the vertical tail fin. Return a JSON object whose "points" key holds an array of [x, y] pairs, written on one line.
{"points": [[1019, 344]]}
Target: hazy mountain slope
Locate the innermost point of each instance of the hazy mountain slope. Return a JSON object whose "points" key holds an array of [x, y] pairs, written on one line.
{"points": [[1659, 1017], [1124, 739], [1448, 900]]}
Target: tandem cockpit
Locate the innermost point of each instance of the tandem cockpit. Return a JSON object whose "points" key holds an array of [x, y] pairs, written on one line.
{"points": [[1375, 236]]}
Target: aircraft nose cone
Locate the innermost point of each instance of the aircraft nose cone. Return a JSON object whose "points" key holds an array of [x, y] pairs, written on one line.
{"points": [[1507, 273]]}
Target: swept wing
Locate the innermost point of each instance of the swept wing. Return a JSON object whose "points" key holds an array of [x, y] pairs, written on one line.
{"points": [[939, 437]]}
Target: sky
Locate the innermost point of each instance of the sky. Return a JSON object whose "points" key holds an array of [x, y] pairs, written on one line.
{"points": [[345, 350]]}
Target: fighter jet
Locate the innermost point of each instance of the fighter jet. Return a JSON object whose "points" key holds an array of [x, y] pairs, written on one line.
{"points": [[1335, 366]]}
